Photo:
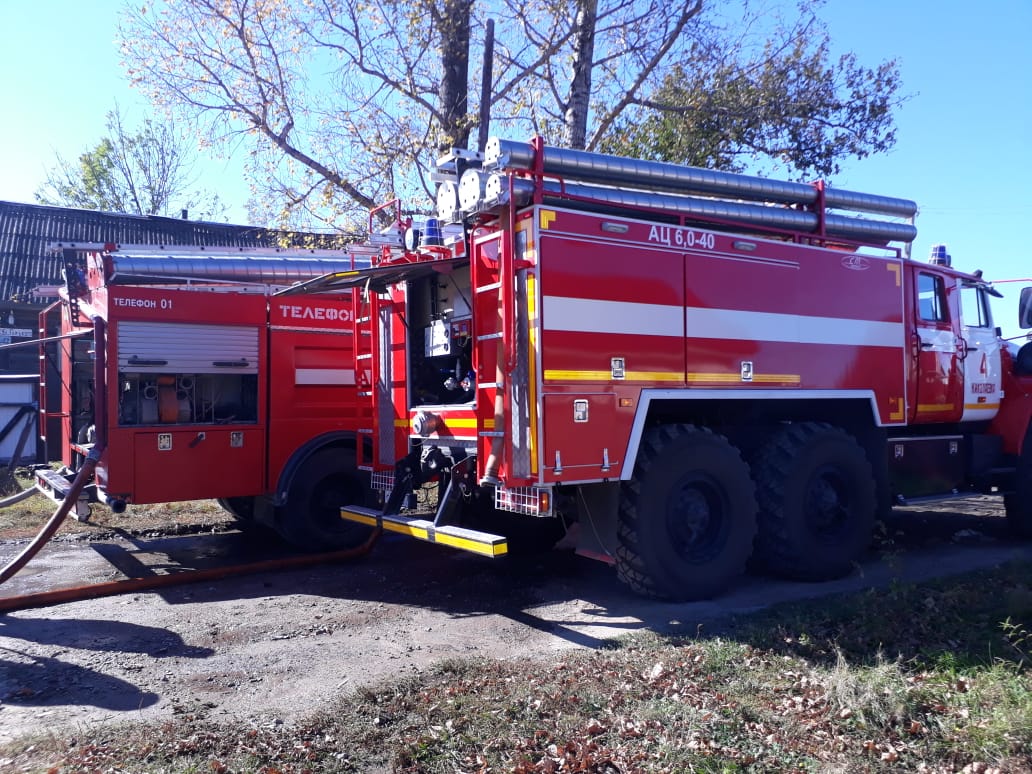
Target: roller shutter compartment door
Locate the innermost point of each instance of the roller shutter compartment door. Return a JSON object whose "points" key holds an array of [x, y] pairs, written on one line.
{"points": [[150, 347]]}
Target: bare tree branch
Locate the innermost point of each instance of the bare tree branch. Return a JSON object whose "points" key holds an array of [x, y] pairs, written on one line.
{"points": [[341, 103]]}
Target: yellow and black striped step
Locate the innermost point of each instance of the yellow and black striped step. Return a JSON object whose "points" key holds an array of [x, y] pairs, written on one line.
{"points": [[474, 541]]}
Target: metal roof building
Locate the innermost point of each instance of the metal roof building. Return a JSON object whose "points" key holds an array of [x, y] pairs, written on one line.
{"points": [[30, 272], [26, 230]]}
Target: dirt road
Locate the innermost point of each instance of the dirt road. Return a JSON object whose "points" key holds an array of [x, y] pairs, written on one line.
{"points": [[271, 648]]}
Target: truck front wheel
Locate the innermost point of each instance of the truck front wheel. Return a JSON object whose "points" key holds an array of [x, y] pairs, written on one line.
{"points": [[310, 519], [1018, 504], [817, 494], [687, 517]]}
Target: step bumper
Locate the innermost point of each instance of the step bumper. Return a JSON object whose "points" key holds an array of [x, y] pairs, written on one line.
{"points": [[471, 540]]}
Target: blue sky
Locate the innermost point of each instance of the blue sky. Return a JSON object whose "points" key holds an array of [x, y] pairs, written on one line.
{"points": [[62, 76], [964, 147]]}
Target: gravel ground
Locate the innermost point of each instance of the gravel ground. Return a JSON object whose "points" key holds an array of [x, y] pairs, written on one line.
{"points": [[271, 648]]}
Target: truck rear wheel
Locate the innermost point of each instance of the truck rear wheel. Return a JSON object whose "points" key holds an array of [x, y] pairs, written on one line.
{"points": [[242, 509], [687, 516], [817, 500], [310, 519]]}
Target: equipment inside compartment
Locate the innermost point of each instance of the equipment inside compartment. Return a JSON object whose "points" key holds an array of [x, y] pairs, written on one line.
{"points": [[165, 398], [441, 359], [147, 399]]}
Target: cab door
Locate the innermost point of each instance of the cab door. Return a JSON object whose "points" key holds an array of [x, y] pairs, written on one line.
{"points": [[938, 348], [981, 363]]}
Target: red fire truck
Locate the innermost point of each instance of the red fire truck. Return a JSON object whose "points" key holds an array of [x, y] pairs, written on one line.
{"points": [[197, 383], [697, 369]]}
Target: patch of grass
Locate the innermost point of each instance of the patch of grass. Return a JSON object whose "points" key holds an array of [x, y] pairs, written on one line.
{"points": [[931, 677], [31, 512], [952, 622], [874, 696]]}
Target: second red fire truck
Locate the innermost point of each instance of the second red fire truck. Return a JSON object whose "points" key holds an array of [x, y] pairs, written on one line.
{"points": [[195, 381], [693, 369]]}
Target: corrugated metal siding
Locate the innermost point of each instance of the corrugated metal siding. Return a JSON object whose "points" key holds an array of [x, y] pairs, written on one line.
{"points": [[27, 229]]}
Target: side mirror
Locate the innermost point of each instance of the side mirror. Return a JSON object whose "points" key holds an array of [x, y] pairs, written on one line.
{"points": [[1025, 308]]}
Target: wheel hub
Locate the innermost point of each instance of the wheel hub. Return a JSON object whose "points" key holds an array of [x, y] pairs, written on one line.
{"points": [[827, 503], [695, 519]]}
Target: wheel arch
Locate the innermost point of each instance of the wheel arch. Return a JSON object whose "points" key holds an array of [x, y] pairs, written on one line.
{"points": [[737, 413], [342, 439], [1013, 423]]}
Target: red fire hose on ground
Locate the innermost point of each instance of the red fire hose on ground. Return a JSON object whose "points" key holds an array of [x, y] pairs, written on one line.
{"points": [[112, 588]]}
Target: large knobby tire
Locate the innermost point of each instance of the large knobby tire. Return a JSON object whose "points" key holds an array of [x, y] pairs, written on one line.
{"points": [[818, 502], [310, 519], [687, 517], [1018, 503]]}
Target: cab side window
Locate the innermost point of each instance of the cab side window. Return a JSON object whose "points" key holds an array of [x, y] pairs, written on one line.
{"points": [[974, 308], [931, 298]]}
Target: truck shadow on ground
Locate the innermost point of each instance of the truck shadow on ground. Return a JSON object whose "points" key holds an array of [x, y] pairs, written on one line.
{"points": [[581, 601], [554, 600], [575, 600], [42, 681], [32, 679], [100, 635]]}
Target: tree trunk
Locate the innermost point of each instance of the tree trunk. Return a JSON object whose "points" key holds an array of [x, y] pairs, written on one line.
{"points": [[580, 84], [454, 95]]}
